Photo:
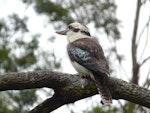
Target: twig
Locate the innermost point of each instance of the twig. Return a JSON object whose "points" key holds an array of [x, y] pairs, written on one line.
{"points": [[145, 60], [146, 42], [147, 82], [138, 42]]}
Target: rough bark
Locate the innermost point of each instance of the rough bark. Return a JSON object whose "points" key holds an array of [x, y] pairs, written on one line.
{"points": [[68, 88]]}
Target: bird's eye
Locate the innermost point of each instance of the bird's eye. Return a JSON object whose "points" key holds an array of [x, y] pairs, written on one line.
{"points": [[76, 30], [70, 27], [73, 29]]}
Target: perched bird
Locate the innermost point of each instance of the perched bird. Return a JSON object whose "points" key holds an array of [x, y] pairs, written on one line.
{"points": [[87, 57]]}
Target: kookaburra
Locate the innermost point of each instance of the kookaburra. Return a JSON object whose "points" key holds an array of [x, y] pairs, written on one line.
{"points": [[87, 57]]}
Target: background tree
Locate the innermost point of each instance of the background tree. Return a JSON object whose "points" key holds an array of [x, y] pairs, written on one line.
{"points": [[20, 51]]}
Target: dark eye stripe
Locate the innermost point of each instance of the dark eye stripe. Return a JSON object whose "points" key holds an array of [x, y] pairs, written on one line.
{"points": [[73, 29], [86, 33], [77, 30]]}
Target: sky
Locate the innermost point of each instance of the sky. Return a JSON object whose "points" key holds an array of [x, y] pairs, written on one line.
{"points": [[125, 13]]}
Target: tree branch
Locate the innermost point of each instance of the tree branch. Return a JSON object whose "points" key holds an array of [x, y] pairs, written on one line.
{"points": [[135, 68], [145, 60], [68, 88]]}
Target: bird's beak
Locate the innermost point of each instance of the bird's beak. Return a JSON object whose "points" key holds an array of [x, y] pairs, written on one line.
{"points": [[63, 32]]}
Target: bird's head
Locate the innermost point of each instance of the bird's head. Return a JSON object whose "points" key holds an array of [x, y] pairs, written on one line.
{"points": [[75, 31]]}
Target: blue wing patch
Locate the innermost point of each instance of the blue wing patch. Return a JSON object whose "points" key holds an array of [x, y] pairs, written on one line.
{"points": [[77, 52]]}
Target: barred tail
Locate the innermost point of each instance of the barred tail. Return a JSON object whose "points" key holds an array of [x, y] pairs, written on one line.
{"points": [[101, 83]]}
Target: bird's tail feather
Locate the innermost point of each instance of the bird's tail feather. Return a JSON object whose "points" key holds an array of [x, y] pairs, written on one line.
{"points": [[101, 83]]}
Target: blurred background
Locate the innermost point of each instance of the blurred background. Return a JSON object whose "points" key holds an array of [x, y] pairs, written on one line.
{"points": [[28, 43]]}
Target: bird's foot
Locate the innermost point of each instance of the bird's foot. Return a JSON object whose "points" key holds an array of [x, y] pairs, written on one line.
{"points": [[82, 82]]}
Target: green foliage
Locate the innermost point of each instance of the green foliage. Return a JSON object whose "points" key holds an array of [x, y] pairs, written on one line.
{"points": [[24, 99], [51, 9], [28, 58], [4, 106], [9, 61], [18, 54], [106, 109], [18, 24]]}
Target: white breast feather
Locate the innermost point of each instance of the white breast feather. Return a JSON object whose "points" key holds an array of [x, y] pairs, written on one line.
{"points": [[82, 70]]}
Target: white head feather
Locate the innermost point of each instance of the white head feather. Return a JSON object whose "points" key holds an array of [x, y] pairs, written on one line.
{"points": [[72, 36]]}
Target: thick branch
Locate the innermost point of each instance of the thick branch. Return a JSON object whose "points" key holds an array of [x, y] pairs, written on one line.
{"points": [[68, 88]]}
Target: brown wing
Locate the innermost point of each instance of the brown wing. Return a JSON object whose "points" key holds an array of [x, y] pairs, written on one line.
{"points": [[88, 53]]}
